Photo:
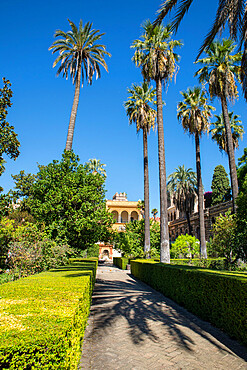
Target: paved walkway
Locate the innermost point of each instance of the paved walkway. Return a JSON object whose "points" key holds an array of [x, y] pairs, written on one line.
{"points": [[131, 326]]}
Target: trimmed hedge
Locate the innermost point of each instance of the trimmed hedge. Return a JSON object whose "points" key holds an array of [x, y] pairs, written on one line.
{"points": [[121, 262], [44, 318], [218, 297]]}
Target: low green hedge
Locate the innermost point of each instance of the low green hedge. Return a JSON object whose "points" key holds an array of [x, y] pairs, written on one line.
{"points": [[121, 262], [44, 318], [218, 297]]}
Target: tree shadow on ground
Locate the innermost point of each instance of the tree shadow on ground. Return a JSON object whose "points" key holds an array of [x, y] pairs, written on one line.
{"points": [[144, 309]]}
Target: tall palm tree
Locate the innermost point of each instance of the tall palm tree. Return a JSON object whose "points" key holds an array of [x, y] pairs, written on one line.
{"points": [[154, 213], [182, 186], [139, 112], [80, 56], [194, 114], [231, 12], [219, 132], [95, 166], [220, 70], [155, 56]]}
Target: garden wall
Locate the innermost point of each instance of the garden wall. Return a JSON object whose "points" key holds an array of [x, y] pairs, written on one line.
{"points": [[44, 317], [217, 297]]}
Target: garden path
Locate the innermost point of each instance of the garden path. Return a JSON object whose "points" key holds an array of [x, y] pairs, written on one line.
{"points": [[131, 326]]}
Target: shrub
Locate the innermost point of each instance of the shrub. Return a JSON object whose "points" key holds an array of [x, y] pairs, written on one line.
{"points": [[186, 246], [223, 242], [212, 295], [44, 318], [121, 262]]}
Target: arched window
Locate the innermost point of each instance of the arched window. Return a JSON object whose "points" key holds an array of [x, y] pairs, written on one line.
{"points": [[115, 215], [133, 216], [124, 217]]}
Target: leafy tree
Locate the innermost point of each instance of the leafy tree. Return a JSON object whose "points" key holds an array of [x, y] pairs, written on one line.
{"points": [[182, 187], [95, 166], [241, 232], [81, 56], [131, 241], [231, 12], [186, 246], [219, 131], [139, 112], [154, 213], [223, 242], [220, 70], [155, 56], [70, 202], [220, 186], [194, 114], [9, 143]]}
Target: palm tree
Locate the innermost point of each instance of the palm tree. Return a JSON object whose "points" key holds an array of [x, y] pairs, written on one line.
{"points": [[139, 112], [81, 56], [231, 12], [155, 56], [219, 131], [154, 213], [95, 166], [182, 186], [194, 114], [220, 71]]}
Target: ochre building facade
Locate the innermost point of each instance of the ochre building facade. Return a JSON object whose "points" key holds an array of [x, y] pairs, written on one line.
{"points": [[123, 211]]}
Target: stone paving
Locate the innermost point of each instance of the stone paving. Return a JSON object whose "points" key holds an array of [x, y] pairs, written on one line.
{"points": [[131, 326]]}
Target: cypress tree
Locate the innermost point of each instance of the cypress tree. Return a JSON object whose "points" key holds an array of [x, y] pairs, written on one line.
{"points": [[221, 191]]}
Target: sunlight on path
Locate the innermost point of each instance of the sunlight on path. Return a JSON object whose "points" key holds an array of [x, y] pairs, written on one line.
{"points": [[131, 326]]}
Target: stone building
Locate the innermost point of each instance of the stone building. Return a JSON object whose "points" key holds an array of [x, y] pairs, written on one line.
{"points": [[178, 224], [123, 211]]}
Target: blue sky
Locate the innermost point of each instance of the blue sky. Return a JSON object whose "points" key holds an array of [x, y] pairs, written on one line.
{"points": [[42, 102]]}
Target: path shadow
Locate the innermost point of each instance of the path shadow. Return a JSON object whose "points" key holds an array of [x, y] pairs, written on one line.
{"points": [[144, 308]]}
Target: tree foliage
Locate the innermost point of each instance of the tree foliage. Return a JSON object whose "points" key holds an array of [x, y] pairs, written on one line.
{"points": [[9, 143], [221, 190], [131, 241], [241, 232], [185, 246], [223, 242], [218, 132], [69, 201]]}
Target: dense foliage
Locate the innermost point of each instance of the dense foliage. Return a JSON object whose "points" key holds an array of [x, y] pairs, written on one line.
{"points": [[241, 229], [68, 201], [221, 190], [224, 241], [44, 318], [9, 143], [185, 246], [131, 241]]}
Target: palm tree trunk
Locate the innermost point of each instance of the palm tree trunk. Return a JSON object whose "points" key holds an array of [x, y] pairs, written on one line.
{"points": [[73, 114], [164, 233], [146, 194], [230, 152], [203, 248]]}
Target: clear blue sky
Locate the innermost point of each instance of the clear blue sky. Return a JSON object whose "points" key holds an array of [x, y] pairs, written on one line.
{"points": [[42, 101]]}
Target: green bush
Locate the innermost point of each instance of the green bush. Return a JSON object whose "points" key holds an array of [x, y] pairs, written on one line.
{"points": [[186, 246], [44, 318], [209, 263], [218, 297], [121, 262]]}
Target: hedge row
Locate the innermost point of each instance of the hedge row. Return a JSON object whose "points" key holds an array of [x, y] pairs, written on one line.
{"points": [[121, 262], [210, 263], [44, 318], [217, 297]]}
